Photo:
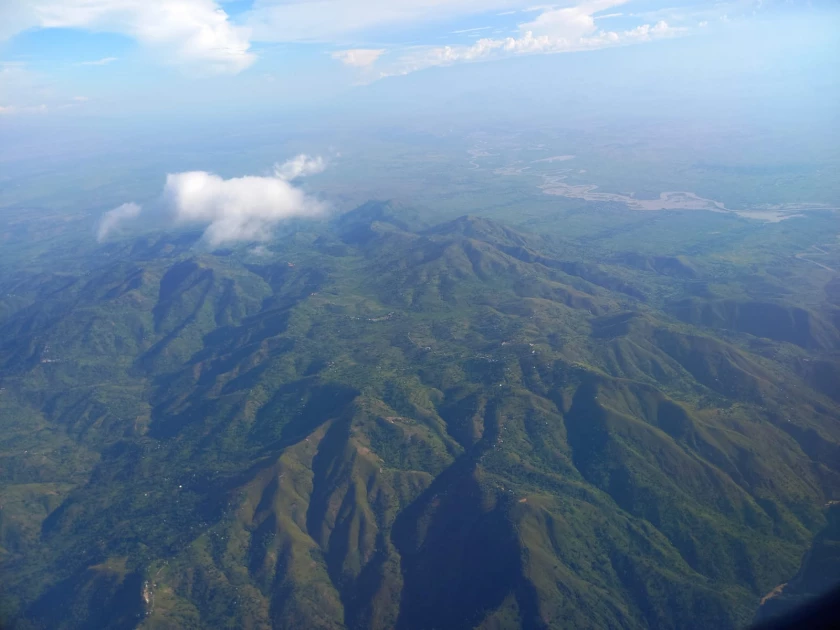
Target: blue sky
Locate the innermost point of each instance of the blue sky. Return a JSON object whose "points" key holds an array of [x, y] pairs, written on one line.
{"points": [[106, 101], [69, 56]]}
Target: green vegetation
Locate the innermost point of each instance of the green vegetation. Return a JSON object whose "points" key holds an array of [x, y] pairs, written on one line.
{"points": [[380, 423]]}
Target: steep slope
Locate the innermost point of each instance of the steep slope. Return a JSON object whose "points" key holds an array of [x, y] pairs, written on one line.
{"points": [[458, 426], [819, 574], [780, 322]]}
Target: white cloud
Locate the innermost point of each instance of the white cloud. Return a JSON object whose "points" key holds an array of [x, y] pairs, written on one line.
{"points": [[358, 57], [552, 31], [570, 22], [237, 209], [199, 33], [99, 62], [329, 20], [192, 32], [112, 220], [299, 166]]}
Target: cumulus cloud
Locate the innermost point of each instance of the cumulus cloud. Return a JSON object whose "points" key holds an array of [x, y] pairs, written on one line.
{"points": [[552, 31], [193, 32], [199, 33], [114, 219], [334, 20], [330, 20], [299, 166], [567, 23], [236, 209], [358, 57]]}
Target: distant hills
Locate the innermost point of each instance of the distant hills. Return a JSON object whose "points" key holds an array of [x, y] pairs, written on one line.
{"points": [[379, 423]]}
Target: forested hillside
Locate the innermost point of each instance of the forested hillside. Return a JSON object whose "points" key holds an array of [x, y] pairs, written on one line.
{"points": [[378, 423]]}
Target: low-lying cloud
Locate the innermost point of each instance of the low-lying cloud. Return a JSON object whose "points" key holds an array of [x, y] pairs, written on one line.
{"points": [[113, 219], [236, 209], [299, 166]]}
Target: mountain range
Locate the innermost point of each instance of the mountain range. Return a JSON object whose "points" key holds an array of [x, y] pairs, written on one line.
{"points": [[374, 422]]}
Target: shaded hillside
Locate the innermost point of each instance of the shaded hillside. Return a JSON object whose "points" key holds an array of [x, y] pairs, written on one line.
{"points": [[677, 266], [384, 425], [780, 322], [819, 574]]}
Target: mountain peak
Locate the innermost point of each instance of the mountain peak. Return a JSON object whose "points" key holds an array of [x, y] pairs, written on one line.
{"points": [[358, 225], [390, 211], [479, 228]]}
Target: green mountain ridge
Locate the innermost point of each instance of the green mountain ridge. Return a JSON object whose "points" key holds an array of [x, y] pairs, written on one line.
{"points": [[383, 424]]}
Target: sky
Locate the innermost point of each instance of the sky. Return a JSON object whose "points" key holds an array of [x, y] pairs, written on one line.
{"points": [[142, 91], [110, 56]]}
